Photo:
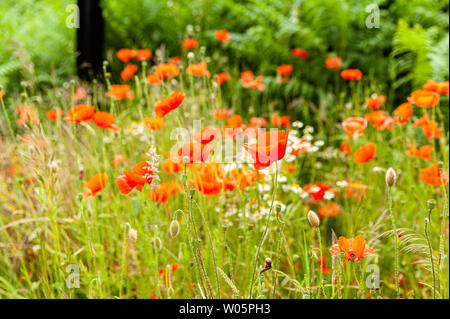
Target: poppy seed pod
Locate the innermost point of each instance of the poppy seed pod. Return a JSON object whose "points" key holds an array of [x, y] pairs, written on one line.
{"points": [[313, 219], [391, 177], [174, 228], [132, 235], [431, 204]]}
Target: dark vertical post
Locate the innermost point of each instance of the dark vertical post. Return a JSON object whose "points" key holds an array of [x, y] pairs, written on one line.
{"points": [[90, 39]]}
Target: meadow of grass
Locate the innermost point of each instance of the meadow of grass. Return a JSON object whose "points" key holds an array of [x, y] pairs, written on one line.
{"points": [[221, 228]]}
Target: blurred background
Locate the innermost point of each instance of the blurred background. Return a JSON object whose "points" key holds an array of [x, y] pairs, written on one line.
{"points": [[410, 46]]}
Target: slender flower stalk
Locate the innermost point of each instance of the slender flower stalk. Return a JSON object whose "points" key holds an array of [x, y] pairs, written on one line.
{"points": [[391, 178], [431, 205]]}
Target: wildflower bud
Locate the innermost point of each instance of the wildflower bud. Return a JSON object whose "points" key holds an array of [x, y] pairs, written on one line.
{"points": [[132, 235], [431, 204], [191, 192], [268, 263], [313, 219], [391, 177], [174, 228], [170, 291], [105, 63], [186, 159], [190, 55], [157, 243]]}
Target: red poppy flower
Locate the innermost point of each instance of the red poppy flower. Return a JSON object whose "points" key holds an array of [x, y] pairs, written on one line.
{"points": [[345, 148], [171, 166], [140, 175], [376, 102], [432, 175], [190, 43], [323, 264], [163, 192], [281, 120], [422, 98], [26, 113], [329, 210], [222, 35], [53, 115], [354, 126], [403, 113], [105, 120], [271, 147], [119, 159], [234, 121], [95, 185], [423, 152], [80, 113], [208, 179], [436, 87], [248, 81], [333, 63], [351, 74], [175, 60], [207, 135], [164, 106], [152, 79], [128, 72], [285, 69], [154, 123], [429, 127], [2, 93], [300, 53], [354, 249], [317, 190], [380, 120], [120, 92], [79, 94], [125, 55], [258, 122], [365, 153], [221, 78]]}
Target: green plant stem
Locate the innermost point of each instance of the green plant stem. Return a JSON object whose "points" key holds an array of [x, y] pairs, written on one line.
{"points": [[430, 247], [397, 287]]}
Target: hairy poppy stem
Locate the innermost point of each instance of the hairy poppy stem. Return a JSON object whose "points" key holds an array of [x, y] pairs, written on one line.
{"points": [[430, 247], [396, 241], [442, 234]]}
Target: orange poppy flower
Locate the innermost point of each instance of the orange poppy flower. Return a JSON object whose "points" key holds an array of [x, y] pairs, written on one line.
{"points": [[356, 191], [221, 114], [166, 70], [422, 98], [351, 74], [120, 92], [345, 148], [221, 78], [432, 175], [403, 113], [152, 79], [166, 105], [323, 264], [291, 167], [175, 60], [207, 135], [140, 175], [247, 76], [365, 153], [376, 102], [79, 94], [80, 113], [436, 87], [234, 121], [222, 35], [105, 120], [118, 160], [171, 166], [208, 179], [199, 69], [95, 185], [241, 179], [26, 113], [318, 190], [424, 120], [354, 249], [333, 63], [258, 122], [271, 147], [154, 123], [281, 120], [285, 69], [163, 192], [195, 152], [53, 115], [128, 72], [190, 43], [300, 53], [329, 210], [254, 84], [125, 55], [2, 93], [380, 120], [354, 126], [429, 127], [143, 54], [423, 152]]}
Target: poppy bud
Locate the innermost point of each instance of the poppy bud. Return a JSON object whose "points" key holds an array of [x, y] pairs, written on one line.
{"points": [[268, 263], [313, 219], [174, 228], [431, 204], [391, 177], [157, 243], [191, 191], [186, 159], [132, 235]]}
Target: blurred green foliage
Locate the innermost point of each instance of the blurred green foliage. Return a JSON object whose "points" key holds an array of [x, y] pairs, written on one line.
{"points": [[410, 46]]}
